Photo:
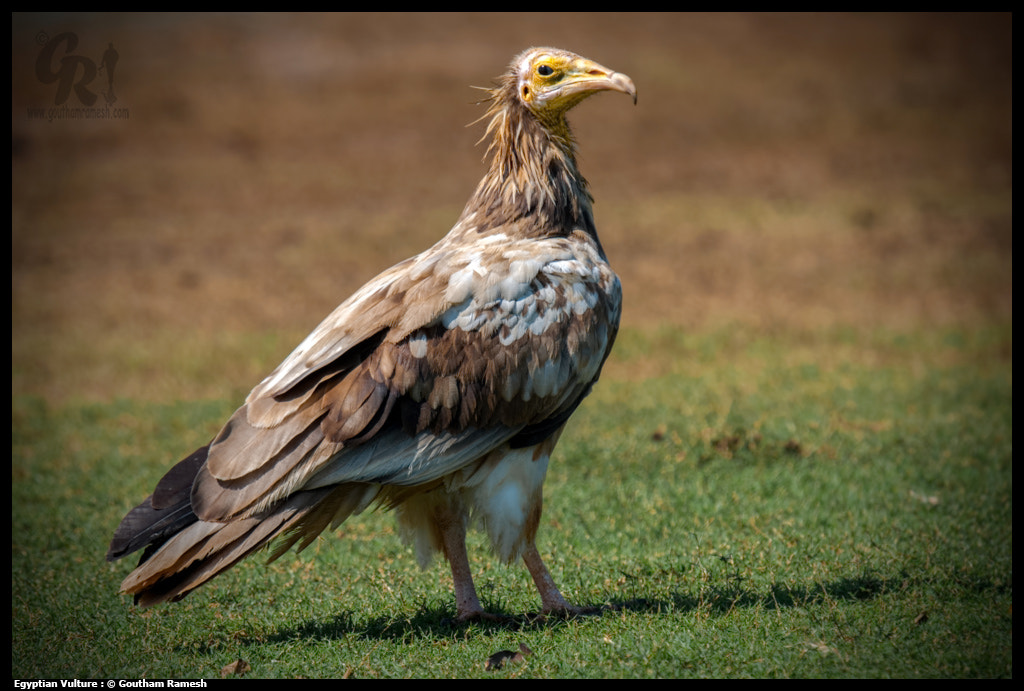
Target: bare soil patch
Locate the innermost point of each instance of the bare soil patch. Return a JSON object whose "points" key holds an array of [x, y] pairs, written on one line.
{"points": [[779, 171]]}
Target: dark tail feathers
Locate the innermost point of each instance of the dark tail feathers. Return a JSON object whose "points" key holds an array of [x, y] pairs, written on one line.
{"points": [[163, 514], [182, 552]]}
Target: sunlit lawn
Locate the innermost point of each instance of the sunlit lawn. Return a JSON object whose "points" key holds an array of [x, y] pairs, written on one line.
{"points": [[836, 506]]}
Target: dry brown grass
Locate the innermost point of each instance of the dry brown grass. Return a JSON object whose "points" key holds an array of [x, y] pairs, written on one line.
{"points": [[779, 172]]}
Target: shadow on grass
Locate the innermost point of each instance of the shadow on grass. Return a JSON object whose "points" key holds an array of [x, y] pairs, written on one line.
{"points": [[428, 621], [437, 621], [719, 599]]}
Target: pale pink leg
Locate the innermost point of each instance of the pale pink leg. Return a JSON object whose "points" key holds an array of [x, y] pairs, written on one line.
{"points": [[551, 599], [453, 535]]}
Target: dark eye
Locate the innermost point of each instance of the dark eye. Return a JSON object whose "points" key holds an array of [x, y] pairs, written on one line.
{"points": [[545, 70]]}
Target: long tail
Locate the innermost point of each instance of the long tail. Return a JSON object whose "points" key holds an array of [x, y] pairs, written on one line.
{"points": [[182, 552]]}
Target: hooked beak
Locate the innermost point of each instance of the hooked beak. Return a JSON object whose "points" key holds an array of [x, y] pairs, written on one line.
{"points": [[587, 77]]}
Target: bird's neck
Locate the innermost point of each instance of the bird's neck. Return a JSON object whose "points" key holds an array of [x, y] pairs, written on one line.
{"points": [[533, 180]]}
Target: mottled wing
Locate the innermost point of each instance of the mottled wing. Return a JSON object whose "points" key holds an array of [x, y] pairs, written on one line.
{"points": [[431, 365]]}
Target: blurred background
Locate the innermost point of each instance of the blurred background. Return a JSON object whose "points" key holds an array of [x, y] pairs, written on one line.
{"points": [[794, 173]]}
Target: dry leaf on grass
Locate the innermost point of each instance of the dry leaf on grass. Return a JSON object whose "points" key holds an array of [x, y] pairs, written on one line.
{"points": [[498, 659]]}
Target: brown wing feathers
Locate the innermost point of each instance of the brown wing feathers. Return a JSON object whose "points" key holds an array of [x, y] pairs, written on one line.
{"points": [[461, 382]]}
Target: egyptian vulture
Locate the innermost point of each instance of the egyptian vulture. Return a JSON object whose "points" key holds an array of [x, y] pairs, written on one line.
{"points": [[438, 390]]}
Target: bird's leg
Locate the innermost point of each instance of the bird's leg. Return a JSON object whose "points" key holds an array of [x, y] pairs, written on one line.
{"points": [[551, 599], [453, 536]]}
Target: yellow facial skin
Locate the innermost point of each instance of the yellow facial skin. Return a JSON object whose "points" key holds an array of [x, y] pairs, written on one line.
{"points": [[552, 82]]}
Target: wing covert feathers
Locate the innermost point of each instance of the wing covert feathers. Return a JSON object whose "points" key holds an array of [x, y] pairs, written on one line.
{"points": [[510, 355]]}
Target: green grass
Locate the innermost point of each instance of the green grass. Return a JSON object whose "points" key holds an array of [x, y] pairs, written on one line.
{"points": [[827, 505]]}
